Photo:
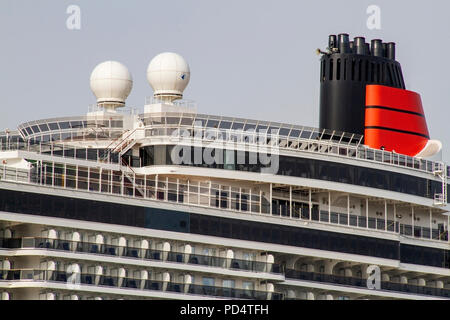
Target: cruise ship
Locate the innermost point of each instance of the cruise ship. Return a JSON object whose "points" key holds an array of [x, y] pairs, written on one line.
{"points": [[171, 203]]}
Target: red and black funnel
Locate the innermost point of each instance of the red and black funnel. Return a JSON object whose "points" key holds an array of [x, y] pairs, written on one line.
{"points": [[362, 91]]}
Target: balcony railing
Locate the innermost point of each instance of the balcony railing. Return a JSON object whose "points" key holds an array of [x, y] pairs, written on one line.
{"points": [[139, 253], [134, 283], [362, 283], [379, 224]]}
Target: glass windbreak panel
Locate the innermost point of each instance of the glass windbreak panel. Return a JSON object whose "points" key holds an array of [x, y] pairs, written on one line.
{"points": [[222, 135], [64, 125], [347, 138], [92, 154], [378, 155], [249, 126], [79, 135], [173, 120], [80, 153], [187, 121], [76, 124], [66, 136], [91, 124], [305, 134], [295, 133], [316, 134], [199, 122], [147, 121], [284, 131], [225, 124], [325, 134], [116, 123], [43, 127], [158, 120], [212, 123], [69, 153], [53, 126], [237, 126], [35, 129], [103, 123], [261, 129], [386, 156], [273, 130]]}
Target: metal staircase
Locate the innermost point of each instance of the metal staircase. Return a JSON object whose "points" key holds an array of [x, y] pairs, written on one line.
{"points": [[121, 144], [131, 175], [124, 143], [440, 170]]}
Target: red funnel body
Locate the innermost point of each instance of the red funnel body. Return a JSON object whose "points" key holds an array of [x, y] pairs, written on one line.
{"points": [[394, 119]]}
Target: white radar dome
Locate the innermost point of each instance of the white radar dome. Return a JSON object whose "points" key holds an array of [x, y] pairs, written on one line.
{"points": [[111, 83], [168, 74]]}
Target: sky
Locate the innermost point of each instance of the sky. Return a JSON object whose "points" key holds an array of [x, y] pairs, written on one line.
{"points": [[248, 58]]}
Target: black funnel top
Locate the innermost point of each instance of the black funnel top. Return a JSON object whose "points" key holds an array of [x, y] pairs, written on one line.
{"points": [[344, 74]]}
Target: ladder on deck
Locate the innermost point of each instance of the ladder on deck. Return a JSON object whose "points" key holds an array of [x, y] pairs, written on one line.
{"points": [[131, 176], [121, 144], [440, 170]]}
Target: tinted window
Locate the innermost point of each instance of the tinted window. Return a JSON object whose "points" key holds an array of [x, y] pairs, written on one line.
{"points": [[53, 126], [64, 125], [43, 127]]}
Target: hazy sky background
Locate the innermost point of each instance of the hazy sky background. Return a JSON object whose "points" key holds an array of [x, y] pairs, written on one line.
{"points": [[251, 59]]}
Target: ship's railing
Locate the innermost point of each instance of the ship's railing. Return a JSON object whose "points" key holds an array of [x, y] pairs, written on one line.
{"points": [[244, 200], [64, 151], [73, 279], [121, 110], [313, 141], [72, 128], [307, 139], [362, 283], [185, 103], [378, 224], [138, 253]]}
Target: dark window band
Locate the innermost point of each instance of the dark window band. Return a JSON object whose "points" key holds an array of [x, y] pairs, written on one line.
{"points": [[312, 169], [178, 221]]}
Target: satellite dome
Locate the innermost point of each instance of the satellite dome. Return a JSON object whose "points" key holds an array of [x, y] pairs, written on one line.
{"points": [[111, 83], [168, 74]]}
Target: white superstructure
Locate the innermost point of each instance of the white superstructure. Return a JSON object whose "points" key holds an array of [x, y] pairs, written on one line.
{"points": [[175, 204]]}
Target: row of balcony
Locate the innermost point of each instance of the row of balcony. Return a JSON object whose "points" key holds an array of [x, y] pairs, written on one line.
{"points": [[195, 259], [135, 283], [359, 282], [139, 253]]}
